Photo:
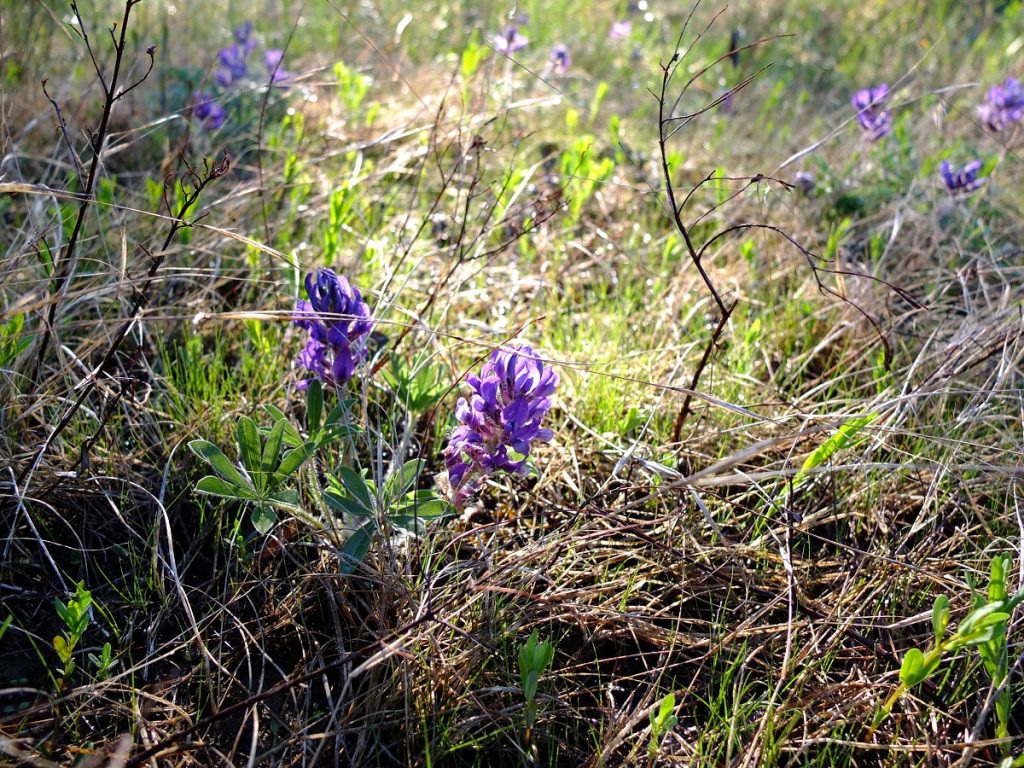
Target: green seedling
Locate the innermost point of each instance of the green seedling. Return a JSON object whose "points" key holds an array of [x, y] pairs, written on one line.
{"points": [[983, 628], [534, 659], [663, 720], [75, 616]]}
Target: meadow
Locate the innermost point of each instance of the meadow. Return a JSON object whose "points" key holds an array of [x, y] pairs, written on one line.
{"points": [[602, 384]]}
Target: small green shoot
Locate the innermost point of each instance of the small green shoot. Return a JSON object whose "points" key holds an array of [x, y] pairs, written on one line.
{"points": [[534, 659], [663, 720]]}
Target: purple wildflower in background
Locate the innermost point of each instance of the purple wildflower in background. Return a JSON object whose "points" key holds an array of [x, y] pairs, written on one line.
{"points": [[338, 321], [208, 112], [804, 181], [963, 180], [232, 65], [621, 30], [500, 420], [1004, 105], [560, 59], [510, 41], [272, 59], [243, 36], [875, 121]]}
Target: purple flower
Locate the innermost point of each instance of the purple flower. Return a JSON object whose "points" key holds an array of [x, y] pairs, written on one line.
{"points": [[620, 30], [272, 59], [338, 321], [560, 59], [875, 121], [510, 41], [805, 181], [243, 36], [232, 64], [1004, 105], [208, 112], [499, 420], [964, 180]]}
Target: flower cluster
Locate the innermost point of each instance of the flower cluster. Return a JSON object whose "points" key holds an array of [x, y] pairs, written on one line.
{"points": [[499, 420], [338, 322], [875, 121], [233, 66], [1004, 105], [233, 58], [963, 180]]}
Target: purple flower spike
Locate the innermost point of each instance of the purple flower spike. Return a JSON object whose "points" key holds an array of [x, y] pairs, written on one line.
{"points": [[620, 30], [500, 419], [560, 59], [875, 121], [208, 112], [510, 41], [1004, 105], [338, 322], [964, 180]]}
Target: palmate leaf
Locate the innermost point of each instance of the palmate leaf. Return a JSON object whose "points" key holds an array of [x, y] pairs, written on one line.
{"points": [[220, 463]]}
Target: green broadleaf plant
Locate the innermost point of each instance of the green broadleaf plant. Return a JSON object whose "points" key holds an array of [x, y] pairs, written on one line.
{"points": [[983, 628], [264, 472]]}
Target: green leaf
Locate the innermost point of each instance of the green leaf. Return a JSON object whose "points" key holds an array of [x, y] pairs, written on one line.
{"points": [[356, 487], [975, 617], [314, 406], [940, 617], [356, 547], [248, 438], [345, 504], [912, 669], [667, 705], [292, 438], [835, 443], [294, 459], [63, 649], [431, 509], [997, 580], [271, 454], [216, 486], [220, 463], [263, 518], [401, 481]]}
